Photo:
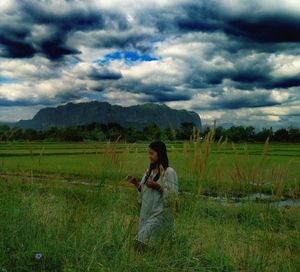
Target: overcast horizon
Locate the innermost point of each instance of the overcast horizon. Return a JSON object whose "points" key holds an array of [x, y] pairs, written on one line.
{"points": [[233, 61]]}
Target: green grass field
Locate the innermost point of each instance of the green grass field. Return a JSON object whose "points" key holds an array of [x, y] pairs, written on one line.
{"points": [[69, 202]]}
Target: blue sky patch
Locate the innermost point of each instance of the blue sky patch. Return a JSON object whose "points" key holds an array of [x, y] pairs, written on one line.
{"points": [[7, 80], [73, 62], [127, 56]]}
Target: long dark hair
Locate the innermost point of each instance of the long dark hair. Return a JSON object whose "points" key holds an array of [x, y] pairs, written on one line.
{"points": [[163, 160]]}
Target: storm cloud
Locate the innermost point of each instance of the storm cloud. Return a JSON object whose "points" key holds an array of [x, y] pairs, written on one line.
{"points": [[234, 61]]}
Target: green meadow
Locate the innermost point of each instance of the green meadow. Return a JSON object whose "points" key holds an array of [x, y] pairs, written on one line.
{"points": [[69, 202]]}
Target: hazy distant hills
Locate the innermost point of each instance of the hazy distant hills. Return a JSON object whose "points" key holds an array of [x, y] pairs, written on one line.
{"points": [[137, 116]]}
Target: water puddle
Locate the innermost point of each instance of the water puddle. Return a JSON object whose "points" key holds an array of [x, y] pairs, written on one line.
{"points": [[236, 201], [255, 198]]}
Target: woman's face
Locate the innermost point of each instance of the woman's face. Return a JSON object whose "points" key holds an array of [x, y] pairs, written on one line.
{"points": [[152, 155]]}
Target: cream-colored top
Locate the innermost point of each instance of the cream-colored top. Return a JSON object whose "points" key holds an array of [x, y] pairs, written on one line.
{"points": [[169, 182], [157, 207]]}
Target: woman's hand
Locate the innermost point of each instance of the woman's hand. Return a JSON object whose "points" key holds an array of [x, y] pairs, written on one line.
{"points": [[134, 181], [131, 179], [154, 185]]}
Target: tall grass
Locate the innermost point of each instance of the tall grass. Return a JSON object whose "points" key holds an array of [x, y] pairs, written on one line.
{"points": [[248, 175], [80, 230], [90, 228], [109, 164], [203, 165], [206, 169]]}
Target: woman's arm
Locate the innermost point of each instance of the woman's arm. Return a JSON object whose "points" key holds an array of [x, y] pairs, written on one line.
{"points": [[154, 185], [136, 184], [139, 197], [170, 188]]}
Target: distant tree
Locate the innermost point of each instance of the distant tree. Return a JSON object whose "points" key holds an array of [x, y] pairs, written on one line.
{"points": [[205, 130], [294, 134], [240, 133], [250, 134], [281, 135], [17, 134], [95, 135], [31, 134], [169, 134], [72, 134], [4, 132], [219, 132], [262, 135], [152, 132], [236, 133], [54, 133], [185, 131], [101, 132], [114, 130], [131, 135], [91, 127], [4, 128]]}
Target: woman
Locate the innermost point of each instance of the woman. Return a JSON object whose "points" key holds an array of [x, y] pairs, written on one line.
{"points": [[157, 194]]}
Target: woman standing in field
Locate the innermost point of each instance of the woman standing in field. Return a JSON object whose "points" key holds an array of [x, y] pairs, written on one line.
{"points": [[157, 194]]}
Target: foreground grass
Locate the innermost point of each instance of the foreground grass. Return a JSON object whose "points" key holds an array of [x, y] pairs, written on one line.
{"points": [[88, 228]]}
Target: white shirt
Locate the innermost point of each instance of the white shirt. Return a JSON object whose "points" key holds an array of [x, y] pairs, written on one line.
{"points": [[155, 205]]}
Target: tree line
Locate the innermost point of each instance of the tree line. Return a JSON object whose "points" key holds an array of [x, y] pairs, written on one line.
{"points": [[111, 131]]}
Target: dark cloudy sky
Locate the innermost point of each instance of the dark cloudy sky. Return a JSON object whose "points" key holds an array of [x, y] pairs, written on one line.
{"points": [[236, 61]]}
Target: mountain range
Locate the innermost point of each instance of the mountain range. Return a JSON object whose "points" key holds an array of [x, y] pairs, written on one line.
{"points": [[136, 116]]}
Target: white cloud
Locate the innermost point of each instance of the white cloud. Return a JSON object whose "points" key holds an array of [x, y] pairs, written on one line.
{"points": [[284, 65], [124, 98], [20, 69], [192, 63]]}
